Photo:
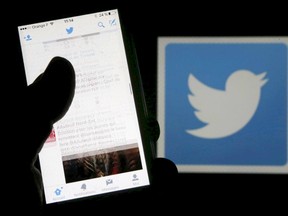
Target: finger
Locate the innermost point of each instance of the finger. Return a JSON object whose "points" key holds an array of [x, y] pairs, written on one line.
{"points": [[43, 103], [153, 128], [53, 91]]}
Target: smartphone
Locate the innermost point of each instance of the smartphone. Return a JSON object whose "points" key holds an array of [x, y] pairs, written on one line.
{"points": [[101, 145]]}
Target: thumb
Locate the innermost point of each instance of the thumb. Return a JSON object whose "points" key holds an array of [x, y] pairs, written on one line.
{"points": [[43, 103], [51, 94], [29, 114]]}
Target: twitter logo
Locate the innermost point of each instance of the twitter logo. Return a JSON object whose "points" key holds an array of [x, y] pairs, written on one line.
{"points": [[225, 111], [223, 104], [69, 30]]}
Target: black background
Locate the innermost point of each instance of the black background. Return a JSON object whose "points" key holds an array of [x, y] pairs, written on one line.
{"points": [[146, 21]]}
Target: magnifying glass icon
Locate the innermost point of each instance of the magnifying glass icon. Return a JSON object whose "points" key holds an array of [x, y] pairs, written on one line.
{"points": [[100, 24]]}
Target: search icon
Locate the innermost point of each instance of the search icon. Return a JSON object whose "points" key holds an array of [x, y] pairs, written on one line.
{"points": [[100, 24]]}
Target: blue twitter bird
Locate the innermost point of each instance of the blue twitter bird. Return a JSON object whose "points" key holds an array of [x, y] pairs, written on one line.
{"points": [[225, 112]]}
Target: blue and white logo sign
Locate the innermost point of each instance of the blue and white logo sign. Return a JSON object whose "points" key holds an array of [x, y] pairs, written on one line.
{"points": [[222, 103]]}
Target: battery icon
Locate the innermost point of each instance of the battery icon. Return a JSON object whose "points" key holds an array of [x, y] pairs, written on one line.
{"points": [[112, 12]]}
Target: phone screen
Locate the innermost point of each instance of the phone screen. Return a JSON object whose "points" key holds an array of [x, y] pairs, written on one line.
{"points": [[98, 146]]}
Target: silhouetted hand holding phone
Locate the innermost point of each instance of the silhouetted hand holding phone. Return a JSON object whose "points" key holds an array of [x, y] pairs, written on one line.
{"points": [[32, 113], [29, 117]]}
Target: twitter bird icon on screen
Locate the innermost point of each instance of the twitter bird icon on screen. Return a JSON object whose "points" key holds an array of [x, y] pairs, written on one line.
{"points": [[225, 111], [225, 103], [69, 30]]}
